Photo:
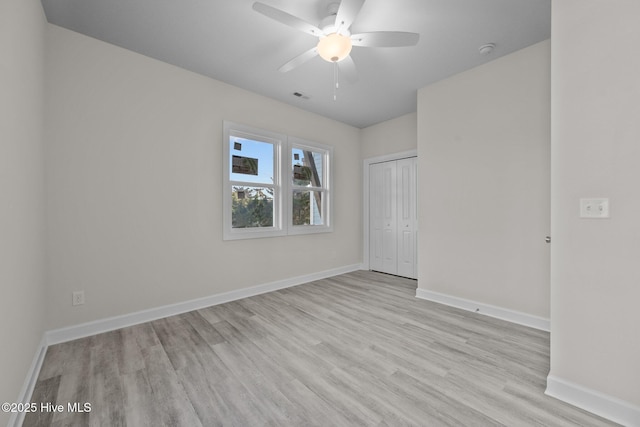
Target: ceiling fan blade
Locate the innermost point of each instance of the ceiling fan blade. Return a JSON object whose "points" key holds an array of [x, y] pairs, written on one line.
{"points": [[348, 69], [385, 39], [287, 19], [299, 60], [347, 13]]}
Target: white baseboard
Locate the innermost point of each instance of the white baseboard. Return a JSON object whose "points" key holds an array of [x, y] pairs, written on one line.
{"points": [[486, 309], [17, 418], [609, 407], [57, 336]]}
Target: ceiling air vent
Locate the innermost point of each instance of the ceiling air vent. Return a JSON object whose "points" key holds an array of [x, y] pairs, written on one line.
{"points": [[300, 95]]}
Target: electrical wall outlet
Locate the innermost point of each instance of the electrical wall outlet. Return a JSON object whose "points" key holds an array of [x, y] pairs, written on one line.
{"points": [[77, 298], [594, 208]]}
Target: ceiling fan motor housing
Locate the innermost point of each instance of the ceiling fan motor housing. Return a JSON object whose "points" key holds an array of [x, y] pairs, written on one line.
{"points": [[329, 24]]}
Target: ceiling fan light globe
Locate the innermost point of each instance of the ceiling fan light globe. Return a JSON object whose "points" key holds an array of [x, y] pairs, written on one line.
{"points": [[334, 47]]}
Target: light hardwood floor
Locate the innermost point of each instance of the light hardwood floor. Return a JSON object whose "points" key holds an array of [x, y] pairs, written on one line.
{"points": [[356, 349]]}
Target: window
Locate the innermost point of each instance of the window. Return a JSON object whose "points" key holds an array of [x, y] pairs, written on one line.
{"points": [[309, 199], [253, 191], [273, 184]]}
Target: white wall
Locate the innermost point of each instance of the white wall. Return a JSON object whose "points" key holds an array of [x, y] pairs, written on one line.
{"points": [[134, 184], [595, 279], [21, 191], [483, 157], [389, 137]]}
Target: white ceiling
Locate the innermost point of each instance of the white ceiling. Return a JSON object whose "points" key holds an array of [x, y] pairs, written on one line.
{"points": [[228, 41]]}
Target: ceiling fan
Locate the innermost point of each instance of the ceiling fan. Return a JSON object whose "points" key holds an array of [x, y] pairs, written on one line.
{"points": [[335, 36]]}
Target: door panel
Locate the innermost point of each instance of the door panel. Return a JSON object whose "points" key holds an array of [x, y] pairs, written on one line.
{"points": [[407, 217], [389, 220]]}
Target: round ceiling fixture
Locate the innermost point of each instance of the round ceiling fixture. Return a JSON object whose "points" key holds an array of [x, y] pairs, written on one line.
{"points": [[334, 47], [486, 49]]}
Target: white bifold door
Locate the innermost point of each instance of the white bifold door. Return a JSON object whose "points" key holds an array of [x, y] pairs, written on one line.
{"points": [[393, 225]]}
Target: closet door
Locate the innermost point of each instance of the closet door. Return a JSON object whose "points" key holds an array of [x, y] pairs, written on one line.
{"points": [[383, 217], [406, 189], [392, 217]]}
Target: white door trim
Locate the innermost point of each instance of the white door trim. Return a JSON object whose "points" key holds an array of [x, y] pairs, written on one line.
{"points": [[365, 200]]}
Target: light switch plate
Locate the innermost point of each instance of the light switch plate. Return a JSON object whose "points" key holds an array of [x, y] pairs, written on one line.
{"points": [[594, 208]]}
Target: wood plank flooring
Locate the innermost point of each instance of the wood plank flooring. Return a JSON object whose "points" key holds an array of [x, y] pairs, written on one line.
{"points": [[354, 350]]}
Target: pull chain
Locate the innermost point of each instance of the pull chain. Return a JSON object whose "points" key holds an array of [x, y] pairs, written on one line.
{"points": [[335, 81]]}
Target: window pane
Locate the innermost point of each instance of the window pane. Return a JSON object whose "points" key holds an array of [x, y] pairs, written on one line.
{"points": [[250, 161], [307, 208], [251, 207], [307, 167]]}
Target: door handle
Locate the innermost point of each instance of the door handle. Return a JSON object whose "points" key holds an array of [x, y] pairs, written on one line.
{"points": [[547, 239]]}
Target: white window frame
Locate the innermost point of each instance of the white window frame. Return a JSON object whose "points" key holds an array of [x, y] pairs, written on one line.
{"points": [[325, 188], [282, 184], [279, 142]]}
